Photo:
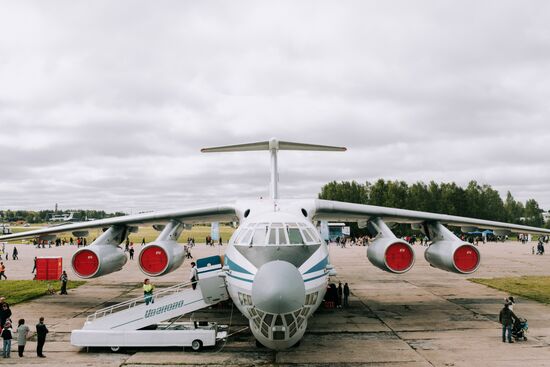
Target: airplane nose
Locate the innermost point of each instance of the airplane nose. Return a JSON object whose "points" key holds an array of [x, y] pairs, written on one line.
{"points": [[278, 288]]}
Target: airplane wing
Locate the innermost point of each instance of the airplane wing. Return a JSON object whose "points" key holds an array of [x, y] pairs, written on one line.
{"points": [[195, 215], [348, 212]]}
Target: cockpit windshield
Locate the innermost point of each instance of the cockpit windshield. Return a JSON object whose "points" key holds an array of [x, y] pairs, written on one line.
{"points": [[274, 234]]}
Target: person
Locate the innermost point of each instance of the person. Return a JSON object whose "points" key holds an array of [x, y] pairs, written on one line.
{"points": [[148, 291], [507, 319], [346, 295], [64, 278], [41, 331], [5, 313], [22, 332], [510, 302], [2, 271], [15, 253], [7, 336], [188, 253], [131, 251], [340, 295], [193, 276], [34, 267], [143, 242]]}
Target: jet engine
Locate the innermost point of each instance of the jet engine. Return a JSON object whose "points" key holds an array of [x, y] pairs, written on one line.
{"points": [[387, 252], [103, 256], [450, 253], [164, 255], [391, 254], [455, 256]]}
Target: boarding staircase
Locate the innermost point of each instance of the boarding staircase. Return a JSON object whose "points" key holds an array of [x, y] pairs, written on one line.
{"points": [[167, 303]]}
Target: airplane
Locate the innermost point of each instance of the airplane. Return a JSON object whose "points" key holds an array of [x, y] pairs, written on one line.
{"points": [[276, 265], [62, 217]]}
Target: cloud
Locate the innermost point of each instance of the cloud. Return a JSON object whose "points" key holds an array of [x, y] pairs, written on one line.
{"points": [[106, 105]]}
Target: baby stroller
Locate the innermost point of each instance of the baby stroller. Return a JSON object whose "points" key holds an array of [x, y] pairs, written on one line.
{"points": [[520, 329]]}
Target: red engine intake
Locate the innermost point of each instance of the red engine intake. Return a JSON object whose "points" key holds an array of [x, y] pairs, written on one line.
{"points": [[391, 254], [159, 258], [97, 260]]}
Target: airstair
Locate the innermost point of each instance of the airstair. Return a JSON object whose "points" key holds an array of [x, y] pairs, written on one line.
{"points": [[168, 303]]}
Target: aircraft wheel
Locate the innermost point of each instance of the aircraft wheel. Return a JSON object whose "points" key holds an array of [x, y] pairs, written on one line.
{"points": [[115, 349], [196, 345]]}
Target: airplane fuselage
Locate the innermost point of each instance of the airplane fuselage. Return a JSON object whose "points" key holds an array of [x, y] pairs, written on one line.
{"points": [[277, 270]]}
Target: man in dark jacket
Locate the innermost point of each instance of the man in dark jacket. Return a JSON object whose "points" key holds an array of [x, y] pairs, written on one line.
{"points": [[41, 331], [507, 319], [346, 295]]}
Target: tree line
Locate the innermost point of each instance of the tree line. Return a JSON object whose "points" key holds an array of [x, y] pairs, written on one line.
{"points": [[474, 200], [42, 216]]}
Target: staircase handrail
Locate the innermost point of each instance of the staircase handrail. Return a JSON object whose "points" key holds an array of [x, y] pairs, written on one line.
{"points": [[134, 302]]}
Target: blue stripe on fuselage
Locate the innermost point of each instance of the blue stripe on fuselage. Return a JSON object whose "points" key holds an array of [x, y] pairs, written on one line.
{"points": [[321, 265], [234, 266]]}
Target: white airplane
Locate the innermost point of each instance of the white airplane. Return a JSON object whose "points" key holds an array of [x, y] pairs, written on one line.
{"points": [[62, 217], [276, 265]]}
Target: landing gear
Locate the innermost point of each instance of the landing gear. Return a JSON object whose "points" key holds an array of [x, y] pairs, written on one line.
{"points": [[115, 349]]}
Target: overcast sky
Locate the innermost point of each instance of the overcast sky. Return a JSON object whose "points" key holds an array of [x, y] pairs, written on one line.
{"points": [[106, 104]]}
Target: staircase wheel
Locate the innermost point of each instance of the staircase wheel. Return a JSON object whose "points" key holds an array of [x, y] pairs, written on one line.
{"points": [[115, 349], [196, 345]]}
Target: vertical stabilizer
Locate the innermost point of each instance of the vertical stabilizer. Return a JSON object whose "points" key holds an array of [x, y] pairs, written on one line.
{"points": [[273, 145]]}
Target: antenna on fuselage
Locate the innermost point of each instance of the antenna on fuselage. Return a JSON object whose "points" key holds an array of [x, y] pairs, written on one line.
{"points": [[273, 145]]}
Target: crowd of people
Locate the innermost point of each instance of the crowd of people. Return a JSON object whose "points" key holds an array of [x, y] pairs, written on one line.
{"points": [[21, 333], [79, 241], [337, 297]]}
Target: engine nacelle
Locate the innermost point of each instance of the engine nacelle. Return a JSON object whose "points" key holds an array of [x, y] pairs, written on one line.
{"points": [[391, 254], [454, 256], [97, 260], [161, 257], [103, 256]]}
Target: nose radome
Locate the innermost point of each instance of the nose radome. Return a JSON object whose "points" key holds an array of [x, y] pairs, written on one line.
{"points": [[278, 288]]}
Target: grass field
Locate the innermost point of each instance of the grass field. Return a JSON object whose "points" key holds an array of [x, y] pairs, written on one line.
{"points": [[199, 233], [536, 288], [17, 291]]}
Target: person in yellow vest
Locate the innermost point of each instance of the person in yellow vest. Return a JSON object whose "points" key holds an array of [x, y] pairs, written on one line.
{"points": [[148, 291]]}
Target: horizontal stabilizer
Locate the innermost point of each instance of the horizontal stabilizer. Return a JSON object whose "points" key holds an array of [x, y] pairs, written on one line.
{"points": [[272, 144]]}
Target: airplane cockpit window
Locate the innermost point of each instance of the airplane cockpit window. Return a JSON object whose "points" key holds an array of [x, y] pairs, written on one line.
{"points": [[282, 237], [307, 236], [295, 237], [259, 235], [274, 234], [247, 237]]}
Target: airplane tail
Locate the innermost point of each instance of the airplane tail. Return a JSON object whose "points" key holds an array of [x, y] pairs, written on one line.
{"points": [[273, 145]]}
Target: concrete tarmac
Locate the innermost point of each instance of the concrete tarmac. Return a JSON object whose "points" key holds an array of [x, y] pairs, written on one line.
{"points": [[426, 317]]}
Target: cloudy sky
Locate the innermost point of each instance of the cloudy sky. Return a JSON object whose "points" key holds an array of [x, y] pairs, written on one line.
{"points": [[106, 104]]}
